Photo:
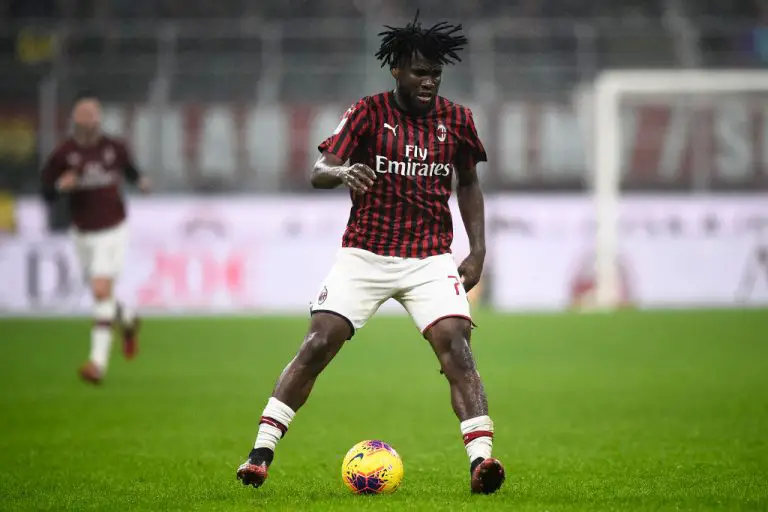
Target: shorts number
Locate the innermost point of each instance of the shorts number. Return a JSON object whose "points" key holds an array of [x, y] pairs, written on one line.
{"points": [[456, 284]]}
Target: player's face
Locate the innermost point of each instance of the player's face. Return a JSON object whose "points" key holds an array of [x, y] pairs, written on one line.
{"points": [[86, 117], [419, 83]]}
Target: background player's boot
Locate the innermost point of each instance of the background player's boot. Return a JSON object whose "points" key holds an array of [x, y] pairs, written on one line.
{"points": [[487, 475], [89, 372], [253, 472], [131, 339]]}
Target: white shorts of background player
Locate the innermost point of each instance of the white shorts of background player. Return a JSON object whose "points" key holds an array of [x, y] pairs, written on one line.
{"points": [[101, 253], [360, 282]]}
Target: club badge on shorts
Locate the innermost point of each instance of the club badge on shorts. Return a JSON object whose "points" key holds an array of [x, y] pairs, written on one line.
{"points": [[323, 295]]}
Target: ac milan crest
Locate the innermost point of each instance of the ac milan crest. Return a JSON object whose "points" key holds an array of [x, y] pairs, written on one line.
{"points": [[323, 295], [442, 132]]}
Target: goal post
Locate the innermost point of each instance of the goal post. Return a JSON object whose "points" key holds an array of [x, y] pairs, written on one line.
{"points": [[610, 87]]}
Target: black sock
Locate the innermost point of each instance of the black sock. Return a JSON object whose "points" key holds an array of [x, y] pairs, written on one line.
{"points": [[259, 456], [474, 464]]}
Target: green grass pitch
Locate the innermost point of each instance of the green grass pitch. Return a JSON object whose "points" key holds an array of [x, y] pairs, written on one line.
{"points": [[629, 411]]}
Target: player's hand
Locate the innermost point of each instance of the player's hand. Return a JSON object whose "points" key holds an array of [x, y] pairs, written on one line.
{"points": [[358, 177], [67, 181], [145, 185], [471, 269]]}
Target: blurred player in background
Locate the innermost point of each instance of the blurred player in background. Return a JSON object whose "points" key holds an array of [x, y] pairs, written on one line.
{"points": [[89, 167], [404, 148]]}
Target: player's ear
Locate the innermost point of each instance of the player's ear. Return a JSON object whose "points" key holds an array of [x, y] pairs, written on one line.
{"points": [[395, 72]]}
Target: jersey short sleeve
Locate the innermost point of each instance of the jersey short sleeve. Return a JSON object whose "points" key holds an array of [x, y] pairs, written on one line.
{"points": [[471, 149], [352, 127]]}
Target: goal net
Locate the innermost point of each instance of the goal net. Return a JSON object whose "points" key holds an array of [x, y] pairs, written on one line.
{"points": [[699, 98]]}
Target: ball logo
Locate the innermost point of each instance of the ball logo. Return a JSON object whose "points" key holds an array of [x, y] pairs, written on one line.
{"points": [[359, 456], [323, 295], [442, 132]]}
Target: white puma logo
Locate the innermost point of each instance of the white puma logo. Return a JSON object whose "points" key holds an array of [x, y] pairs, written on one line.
{"points": [[390, 127]]}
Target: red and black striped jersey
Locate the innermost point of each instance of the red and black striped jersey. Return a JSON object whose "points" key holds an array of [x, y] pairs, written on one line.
{"points": [[406, 213], [96, 203]]}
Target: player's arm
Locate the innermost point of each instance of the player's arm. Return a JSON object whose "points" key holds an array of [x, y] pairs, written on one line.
{"points": [[56, 178], [471, 203], [131, 171], [329, 170], [472, 208]]}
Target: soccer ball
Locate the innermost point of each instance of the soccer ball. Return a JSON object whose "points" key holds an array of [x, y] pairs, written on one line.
{"points": [[372, 467]]}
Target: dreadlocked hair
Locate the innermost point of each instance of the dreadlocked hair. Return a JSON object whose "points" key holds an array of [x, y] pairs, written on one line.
{"points": [[440, 43]]}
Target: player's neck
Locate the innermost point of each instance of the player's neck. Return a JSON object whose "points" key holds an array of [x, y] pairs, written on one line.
{"points": [[86, 140], [399, 100], [401, 103]]}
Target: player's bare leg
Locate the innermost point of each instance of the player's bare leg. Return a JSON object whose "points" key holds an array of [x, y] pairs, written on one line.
{"points": [[450, 340], [325, 337], [101, 333]]}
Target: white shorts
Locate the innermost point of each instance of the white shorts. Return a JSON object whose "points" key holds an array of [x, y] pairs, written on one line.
{"points": [[101, 253], [360, 282]]}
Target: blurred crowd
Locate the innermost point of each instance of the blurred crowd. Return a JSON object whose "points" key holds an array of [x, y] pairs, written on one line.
{"points": [[531, 49], [732, 28], [541, 45], [281, 9]]}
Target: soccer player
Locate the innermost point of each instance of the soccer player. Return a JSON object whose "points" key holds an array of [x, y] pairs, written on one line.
{"points": [[403, 149], [88, 167]]}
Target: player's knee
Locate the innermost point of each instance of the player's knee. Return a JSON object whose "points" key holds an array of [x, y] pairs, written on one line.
{"points": [[320, 345], [101, 289], [311, 352], [457, 361]]}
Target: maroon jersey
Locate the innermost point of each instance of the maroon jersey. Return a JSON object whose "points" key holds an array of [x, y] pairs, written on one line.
{"points": [[415, 157], [96, 202]]}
